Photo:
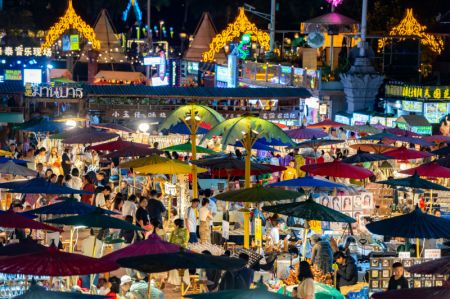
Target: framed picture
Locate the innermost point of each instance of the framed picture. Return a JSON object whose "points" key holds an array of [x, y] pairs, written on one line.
{"points": [[384, 284], [428, 283], [374, 263], [337, 205], [347, 204], [374, 284], [417, 283], [374, 274], [407, 263], [417, 275], [357, 202], [386, 263], [407, 274], [438, 276], [367, 201], [386, 273], [326, 201], [438, 283]]}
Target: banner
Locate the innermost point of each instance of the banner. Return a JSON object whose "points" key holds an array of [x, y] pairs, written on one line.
{"points": [[258, 231]]}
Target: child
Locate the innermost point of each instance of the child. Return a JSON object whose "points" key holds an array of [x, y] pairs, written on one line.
{"points": [[397, 281]]}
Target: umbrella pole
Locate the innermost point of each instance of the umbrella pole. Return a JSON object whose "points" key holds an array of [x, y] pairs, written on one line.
{"points": [[149, 287], [417, 247], [193, 128], [91, 278], [247, 142], [431, 202], [181, 274]]}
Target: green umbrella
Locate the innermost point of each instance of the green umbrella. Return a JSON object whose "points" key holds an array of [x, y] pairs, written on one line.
{"points": [[363, 129], [414, 181], [248, 129], [187, 148], [323, 291], [258, 194], [95, 220], [309, 210], [259, 293], [62, 80], [192, 116]]}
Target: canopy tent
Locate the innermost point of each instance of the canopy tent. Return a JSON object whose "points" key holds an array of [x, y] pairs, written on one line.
{"points": [[118, 76]]}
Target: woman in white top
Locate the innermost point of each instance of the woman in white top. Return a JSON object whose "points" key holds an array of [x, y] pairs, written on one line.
{"points": [[205, 217], [305, 289], [54, 161]]}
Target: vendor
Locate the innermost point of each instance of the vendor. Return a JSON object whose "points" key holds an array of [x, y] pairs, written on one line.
{"points": [[346, 271], [397, 281]]}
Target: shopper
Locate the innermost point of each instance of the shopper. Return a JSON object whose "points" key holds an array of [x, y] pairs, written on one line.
{"points": [[155, 207], [346, 271], [306, 287], [322, 253], [180, 235], [191, 220], [205, 218]]}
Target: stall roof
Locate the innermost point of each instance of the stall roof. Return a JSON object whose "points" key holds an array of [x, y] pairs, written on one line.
{"points": [[10, 87], [120, 76], [196, 92], [414, 120]]}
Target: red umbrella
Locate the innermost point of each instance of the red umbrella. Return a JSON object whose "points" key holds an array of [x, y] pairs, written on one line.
{"points": [[223, 173], [337, 169], [134, 151], [402, 153], [437, 138], [306, 133], [422, 293], [9, 219], [373, 147], [327, 123], [432, 170], [116, 145], [400, 132], [152, 245], [52, 262]]}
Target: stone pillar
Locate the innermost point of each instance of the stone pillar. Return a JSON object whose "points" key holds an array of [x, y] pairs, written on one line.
{"points": [[361, 84], [92, 65]]}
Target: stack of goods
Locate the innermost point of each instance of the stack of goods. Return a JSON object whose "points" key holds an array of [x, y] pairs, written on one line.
{"points": [[254, 257], [292, 279], [322, 277], [199, 248]]}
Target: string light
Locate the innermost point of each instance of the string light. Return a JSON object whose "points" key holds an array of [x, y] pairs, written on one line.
{"points": [[240, 26], [409, 26], [70, 20], [335, 3]]}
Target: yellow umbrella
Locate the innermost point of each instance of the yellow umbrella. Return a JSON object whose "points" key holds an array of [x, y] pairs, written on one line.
{"points": [[153, 159], [64, 119], [168, 167], [5, 153]]}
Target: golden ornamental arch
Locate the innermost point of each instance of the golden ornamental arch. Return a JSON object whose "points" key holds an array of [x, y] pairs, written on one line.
{"points": [[70, 20], [234, 30], [409, 26]]}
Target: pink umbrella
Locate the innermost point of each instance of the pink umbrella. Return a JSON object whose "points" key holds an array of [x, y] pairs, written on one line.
{"points": [[337, 169], [133, 151], [401, 132], [152, 245], [9, 219], [402, 153], [327, 123], [432, 170], [306, 133], [116, 145]]}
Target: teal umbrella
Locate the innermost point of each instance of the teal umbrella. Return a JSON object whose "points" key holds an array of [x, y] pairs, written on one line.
{"points": [[414, 181], [323, 291], [187, 148], [259, 293], [258, 194], [309, 210]]}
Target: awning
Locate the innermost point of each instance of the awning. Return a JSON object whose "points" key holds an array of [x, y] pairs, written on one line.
{"points": [[119, 76], [11, 117]]}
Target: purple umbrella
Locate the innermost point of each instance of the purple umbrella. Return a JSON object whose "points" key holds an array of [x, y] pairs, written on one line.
{"points": [[410, 139], [89, 137], [306, 133], [439, 266], [422, 293], [134, 151]]}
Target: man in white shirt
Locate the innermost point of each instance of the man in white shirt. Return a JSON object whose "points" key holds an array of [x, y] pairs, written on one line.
{"points": [[101, 198], [191, 218]]}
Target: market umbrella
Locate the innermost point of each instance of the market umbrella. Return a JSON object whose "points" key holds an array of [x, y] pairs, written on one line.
{"points": [[414, 181], [68, 206], [19, 162], [315, 143], [182, 129], [71, 118], [258, 194], [438, 266], [309, 210], [443, 151], [327, 123], [397, 131], [227, 162], [113, 127], [192, 116], [45, 126], [156, 263], [187, 148], [10, 219], [89, 137], [403, 153], [378, 148], [308, 181], [413, 225], [437, 138], [443, 161], [12, 168], [248, 129], [38, 292], [422, 293], [168, 167], [379, 136], [116, 145], [361, 157], [240, 172], [367, 129], [53, 262], [324, 291], [25, 246], [432, 170], [39, 186], [154, 159], [258, 293], [306, 133], [337, 169], [410, 139], [5, 153], [95, 219], [152, 245], [258, 146], [133, 151]]}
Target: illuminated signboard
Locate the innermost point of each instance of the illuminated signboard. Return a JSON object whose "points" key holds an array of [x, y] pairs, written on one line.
{"points": [[360, 119], [25, 51], [222, 73], [152, 60], [412, 106], [56, 92], [13, 75], [434, 112], [32, 76], [417, 92], [342, 119], [192, 67]]}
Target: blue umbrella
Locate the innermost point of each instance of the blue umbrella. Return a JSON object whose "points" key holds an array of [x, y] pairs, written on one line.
{"points": [[365, 157], [46, 126], [258, 146], [18, 162], [442, 151], [273, 142], [38, 292], [412, 140], [39, 186], [180, 128], [379, 136], [68, 206], [308, 181], [413, 225]]}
